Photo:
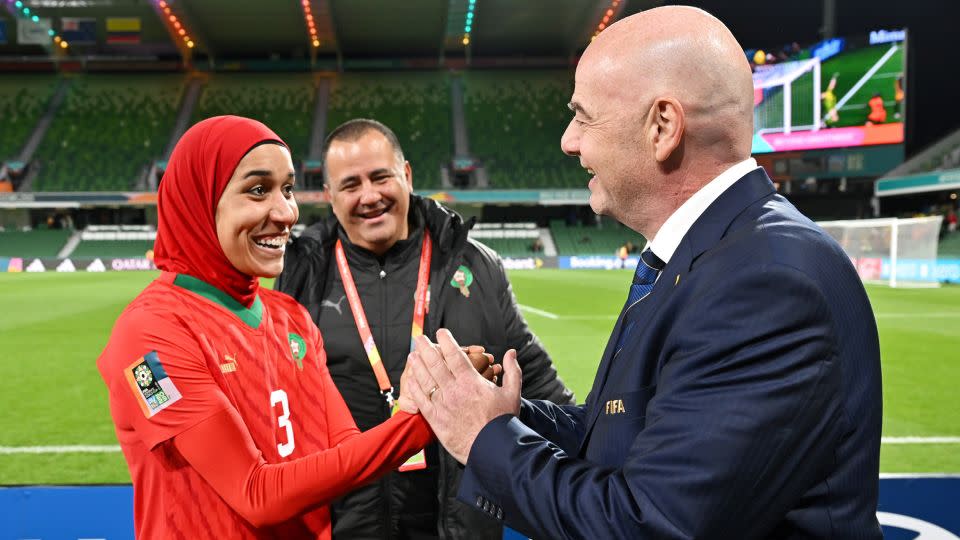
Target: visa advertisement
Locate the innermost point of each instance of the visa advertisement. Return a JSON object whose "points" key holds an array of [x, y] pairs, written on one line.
{"points": [[837, 93]]}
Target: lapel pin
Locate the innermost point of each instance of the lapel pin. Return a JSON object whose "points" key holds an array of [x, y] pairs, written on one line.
{"points": [[676, 281]]}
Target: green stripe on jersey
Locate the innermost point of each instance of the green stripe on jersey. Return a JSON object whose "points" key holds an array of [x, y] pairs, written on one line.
{"points": [[251, 316]]}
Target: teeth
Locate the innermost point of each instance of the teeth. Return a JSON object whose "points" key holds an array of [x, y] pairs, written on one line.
{"points": [[276, 242], [591, 171]]}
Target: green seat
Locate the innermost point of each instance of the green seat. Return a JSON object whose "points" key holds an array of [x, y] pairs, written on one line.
{"points": [[416, 106], [36, 243], [515, 120], [112, 248], [282, 101], [109, 129], [23, 100]]}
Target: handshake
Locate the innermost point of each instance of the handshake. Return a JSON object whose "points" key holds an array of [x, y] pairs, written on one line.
{"points": [[455, 389]]}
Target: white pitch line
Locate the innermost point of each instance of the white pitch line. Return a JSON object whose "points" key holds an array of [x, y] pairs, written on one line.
{"points": [[920, 440], [540, 312], [863, 80], [74, 449]]}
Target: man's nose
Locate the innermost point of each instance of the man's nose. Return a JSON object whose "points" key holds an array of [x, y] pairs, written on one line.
{"points": [[570, 141]]}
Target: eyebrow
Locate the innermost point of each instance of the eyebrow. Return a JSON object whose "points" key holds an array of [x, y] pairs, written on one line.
{"points": [[577, 108], [264, 172]]}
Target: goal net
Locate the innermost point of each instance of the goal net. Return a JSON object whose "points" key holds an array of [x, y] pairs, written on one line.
{"points": [[899, 252], [787, 96]]}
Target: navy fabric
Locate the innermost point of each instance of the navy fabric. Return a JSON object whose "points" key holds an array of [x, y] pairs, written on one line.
{"points": [[645, 276], [745, 402]]}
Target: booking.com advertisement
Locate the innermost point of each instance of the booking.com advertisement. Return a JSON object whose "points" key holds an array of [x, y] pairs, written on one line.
{"points": [[841, 92]]}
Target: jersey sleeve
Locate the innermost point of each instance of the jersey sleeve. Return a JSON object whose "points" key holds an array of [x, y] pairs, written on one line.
{"points": [[157, 376], [269, 493]]}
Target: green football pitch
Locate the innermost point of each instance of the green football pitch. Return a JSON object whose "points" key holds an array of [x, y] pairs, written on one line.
{"points": [[53, 326]]}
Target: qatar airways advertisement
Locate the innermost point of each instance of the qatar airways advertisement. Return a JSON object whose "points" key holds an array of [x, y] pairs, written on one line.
{"points": [[837, 93]]}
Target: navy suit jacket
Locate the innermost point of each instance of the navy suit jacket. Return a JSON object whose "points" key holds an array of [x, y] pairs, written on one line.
{"points": [[744, 403]]}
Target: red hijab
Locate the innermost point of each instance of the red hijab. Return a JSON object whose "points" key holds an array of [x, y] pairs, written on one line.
{"points": [[198, 171]]}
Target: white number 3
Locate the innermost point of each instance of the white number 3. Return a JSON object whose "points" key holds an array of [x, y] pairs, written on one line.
{"points": [[279, 396]]}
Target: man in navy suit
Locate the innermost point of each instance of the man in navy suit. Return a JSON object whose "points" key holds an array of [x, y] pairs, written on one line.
{"points": [[739, 394]]}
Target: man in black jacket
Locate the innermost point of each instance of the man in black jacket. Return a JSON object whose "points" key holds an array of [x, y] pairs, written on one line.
{"points": [[385, 236]]}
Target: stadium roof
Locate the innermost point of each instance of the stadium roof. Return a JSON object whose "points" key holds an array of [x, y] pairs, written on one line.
{"points": [[226, 30]]}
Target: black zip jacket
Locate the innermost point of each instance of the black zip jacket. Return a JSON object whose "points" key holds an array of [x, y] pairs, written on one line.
{"points": [[479, 308]]}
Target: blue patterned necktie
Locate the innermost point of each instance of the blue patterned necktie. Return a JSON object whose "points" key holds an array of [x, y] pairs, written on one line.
{"points": [[644, 278], [648, 269]]}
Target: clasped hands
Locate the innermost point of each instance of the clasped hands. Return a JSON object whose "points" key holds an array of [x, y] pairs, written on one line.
{"points": [[444, 383]]}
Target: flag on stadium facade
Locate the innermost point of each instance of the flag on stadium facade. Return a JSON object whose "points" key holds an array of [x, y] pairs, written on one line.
{"points": [[78, 31], [122, 30], [30, 32], [3, 32]]}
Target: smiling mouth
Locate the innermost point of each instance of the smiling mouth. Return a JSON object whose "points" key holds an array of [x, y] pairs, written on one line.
{"points": [[373, 214], [272, 242]]}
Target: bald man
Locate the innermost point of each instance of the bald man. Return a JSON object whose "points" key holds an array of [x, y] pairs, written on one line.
{"points": [[739, 393]]}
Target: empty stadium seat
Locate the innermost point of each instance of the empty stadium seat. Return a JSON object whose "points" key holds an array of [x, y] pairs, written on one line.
{"points": [[515, 120], [36, 243], [23, 100], [107, 131], [282, 101], [112, 248], [416, 106], [591, 240]]}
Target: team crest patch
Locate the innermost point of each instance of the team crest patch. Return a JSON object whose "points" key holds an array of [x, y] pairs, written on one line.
{"points": [[152, 387], [298, 348], [462, 279]]}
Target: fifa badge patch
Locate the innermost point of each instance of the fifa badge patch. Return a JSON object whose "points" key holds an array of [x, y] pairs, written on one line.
{"points": [[152, 387], [462, 279], [298, 349]]}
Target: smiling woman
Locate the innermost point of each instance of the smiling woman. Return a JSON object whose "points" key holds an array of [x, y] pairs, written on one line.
{"points": [[257, 209], [219, 389]]}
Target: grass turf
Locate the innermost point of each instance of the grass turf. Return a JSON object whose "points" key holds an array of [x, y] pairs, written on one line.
{"points": [[53, 326]]}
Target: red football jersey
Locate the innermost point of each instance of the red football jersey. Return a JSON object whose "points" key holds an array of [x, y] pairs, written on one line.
{"points": [[184, 351]]}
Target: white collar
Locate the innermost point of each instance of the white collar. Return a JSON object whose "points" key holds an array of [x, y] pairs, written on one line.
{"points": [[665, 242]]}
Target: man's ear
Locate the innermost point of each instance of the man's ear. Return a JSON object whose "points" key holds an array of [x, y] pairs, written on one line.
{"points": [[408, 173], [668, 126]]}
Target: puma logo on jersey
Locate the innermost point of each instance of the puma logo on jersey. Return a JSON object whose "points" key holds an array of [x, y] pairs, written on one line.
{"points": [[336, 306], [230, 365]]}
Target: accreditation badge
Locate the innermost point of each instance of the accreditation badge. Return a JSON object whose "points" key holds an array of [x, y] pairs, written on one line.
{"points": [[415, 462]]}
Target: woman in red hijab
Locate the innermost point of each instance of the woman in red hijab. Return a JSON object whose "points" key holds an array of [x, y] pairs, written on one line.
{"points": [[223, 405]]}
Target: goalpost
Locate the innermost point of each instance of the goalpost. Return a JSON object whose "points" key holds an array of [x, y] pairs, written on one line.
{"points": [[787, 96], [898, 252]]}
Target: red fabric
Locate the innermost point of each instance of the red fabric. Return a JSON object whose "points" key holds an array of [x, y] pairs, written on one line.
{"points": [[198, 171], [208, 464]]}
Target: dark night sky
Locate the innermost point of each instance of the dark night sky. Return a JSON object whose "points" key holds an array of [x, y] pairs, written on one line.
{"points": [[933, 83]]}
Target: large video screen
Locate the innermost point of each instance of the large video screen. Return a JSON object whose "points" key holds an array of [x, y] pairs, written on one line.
{"points": [[837, 93]]}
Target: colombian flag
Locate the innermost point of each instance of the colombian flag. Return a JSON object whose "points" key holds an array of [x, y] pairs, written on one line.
{"points": [[123, 30]]}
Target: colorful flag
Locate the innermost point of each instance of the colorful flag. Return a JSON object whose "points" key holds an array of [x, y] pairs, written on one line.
{"points": [[78, 31], [123, 30]]}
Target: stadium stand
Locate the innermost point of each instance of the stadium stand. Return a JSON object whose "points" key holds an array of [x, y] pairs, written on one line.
{"points": [[415, 105], [23, 99], [112, 248], [36, 243], [949, 247], [107, 132], [284, 102], [508, 239], [515, 120], [589, 240]]}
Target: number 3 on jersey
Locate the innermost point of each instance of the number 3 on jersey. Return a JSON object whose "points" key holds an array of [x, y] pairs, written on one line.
{"points": [[279, 396]]}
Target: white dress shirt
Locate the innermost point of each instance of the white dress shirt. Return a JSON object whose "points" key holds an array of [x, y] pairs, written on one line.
{"points": [[672, 231]]}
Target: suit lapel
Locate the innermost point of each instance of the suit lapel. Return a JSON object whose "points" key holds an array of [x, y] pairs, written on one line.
{"points": [[705, 233]]}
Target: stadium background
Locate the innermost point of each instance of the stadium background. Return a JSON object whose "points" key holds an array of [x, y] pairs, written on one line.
{"points": [[97, 117]]}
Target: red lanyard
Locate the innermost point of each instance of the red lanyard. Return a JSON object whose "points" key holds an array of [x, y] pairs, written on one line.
{"points": [[360, 317]]}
